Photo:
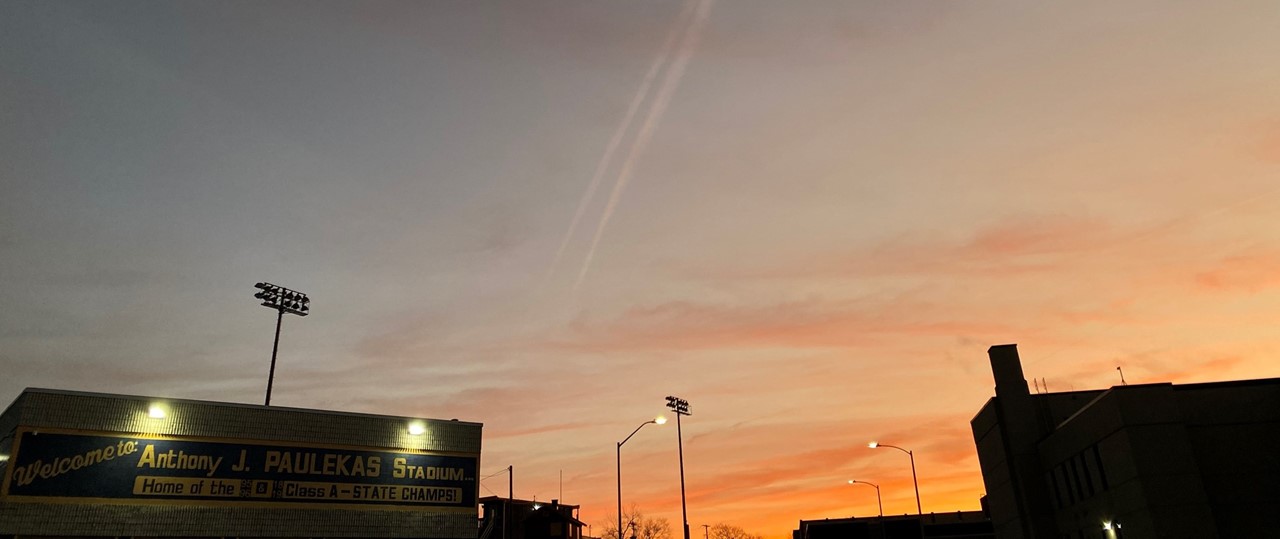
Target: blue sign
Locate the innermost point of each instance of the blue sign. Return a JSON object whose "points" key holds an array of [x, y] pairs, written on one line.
{"points": [[111, 466]]}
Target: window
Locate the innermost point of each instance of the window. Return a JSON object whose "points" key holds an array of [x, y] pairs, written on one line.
{"points": [[1088, 480], [1102, 474], [1075, 478]]}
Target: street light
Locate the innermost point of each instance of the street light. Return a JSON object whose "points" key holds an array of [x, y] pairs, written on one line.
{"points": [[874, 445], [283, 301], [681, 407], [852, 481], [878, 503], [656, 421]]}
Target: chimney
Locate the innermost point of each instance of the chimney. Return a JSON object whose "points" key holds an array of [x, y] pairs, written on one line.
{"points": [[1006, 367]]}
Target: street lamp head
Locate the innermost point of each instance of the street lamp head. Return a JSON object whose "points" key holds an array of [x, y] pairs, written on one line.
{"points": [[660, 420], [873, 445]]}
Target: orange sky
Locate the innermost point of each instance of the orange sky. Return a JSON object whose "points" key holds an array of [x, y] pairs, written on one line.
{"points": [[810, 220]]}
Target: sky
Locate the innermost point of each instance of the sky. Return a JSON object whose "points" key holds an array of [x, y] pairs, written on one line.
{"points": [[809, 219]]}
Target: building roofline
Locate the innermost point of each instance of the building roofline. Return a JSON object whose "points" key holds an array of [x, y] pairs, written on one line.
{"points": [[1226, 383], [958, 515], [528, 502], [75, 393], [1171, 385]]}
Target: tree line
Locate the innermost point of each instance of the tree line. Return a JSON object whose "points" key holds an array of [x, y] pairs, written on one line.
{"points": [[637, 525]]}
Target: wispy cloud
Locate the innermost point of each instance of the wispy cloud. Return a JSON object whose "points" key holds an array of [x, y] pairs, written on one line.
{"points": [[798, 324], [1251, 272]]}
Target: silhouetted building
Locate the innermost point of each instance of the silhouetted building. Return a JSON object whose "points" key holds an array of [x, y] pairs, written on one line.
{"points": [[957, 525], [90, 465], [529, 519], [1152, 460]]}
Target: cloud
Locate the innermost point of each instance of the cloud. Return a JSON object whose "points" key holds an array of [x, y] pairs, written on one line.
{"points": [[810, 323], [1252, 272], [1267, 147], [1013, 246]]}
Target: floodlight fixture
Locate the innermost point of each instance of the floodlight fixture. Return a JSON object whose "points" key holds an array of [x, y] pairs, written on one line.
{"points": [[284, 299], [678, 405]]}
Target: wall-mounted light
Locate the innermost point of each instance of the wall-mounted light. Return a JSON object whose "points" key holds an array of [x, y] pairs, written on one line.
{"points": [[417, 429], [156, 412]]}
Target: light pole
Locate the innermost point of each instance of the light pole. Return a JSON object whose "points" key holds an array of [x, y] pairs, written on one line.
{"points": [[874, 445], [656, 421], [283, 301], [852, 481], [681, 407], [878, 503]]}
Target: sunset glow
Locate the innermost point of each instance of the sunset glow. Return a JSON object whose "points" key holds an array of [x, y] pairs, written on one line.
{"points": [[808, 219]]}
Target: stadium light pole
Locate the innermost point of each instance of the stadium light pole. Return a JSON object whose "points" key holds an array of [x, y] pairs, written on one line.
{"points": [[681, 407], [283, 301], [874, 445], [656, 421]]}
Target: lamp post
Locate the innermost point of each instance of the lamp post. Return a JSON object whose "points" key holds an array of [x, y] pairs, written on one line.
{"points": [[874, 445], [656, 421], [681, 407], [852, 481], [878, 503], [283, 301]]}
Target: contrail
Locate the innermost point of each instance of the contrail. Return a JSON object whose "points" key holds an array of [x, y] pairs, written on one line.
{"points": [[664, 54], [656, 109]]}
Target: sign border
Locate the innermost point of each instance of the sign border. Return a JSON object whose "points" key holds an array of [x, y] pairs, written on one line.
{"points": [[23, 430]]}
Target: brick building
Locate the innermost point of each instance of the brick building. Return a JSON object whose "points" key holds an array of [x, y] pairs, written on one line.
{"points": [[99, 465]]}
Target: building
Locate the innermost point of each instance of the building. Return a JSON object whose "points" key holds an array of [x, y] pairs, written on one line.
{"points": [[530, 519], [88, 464], [957, 525], [1151, 460]]}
